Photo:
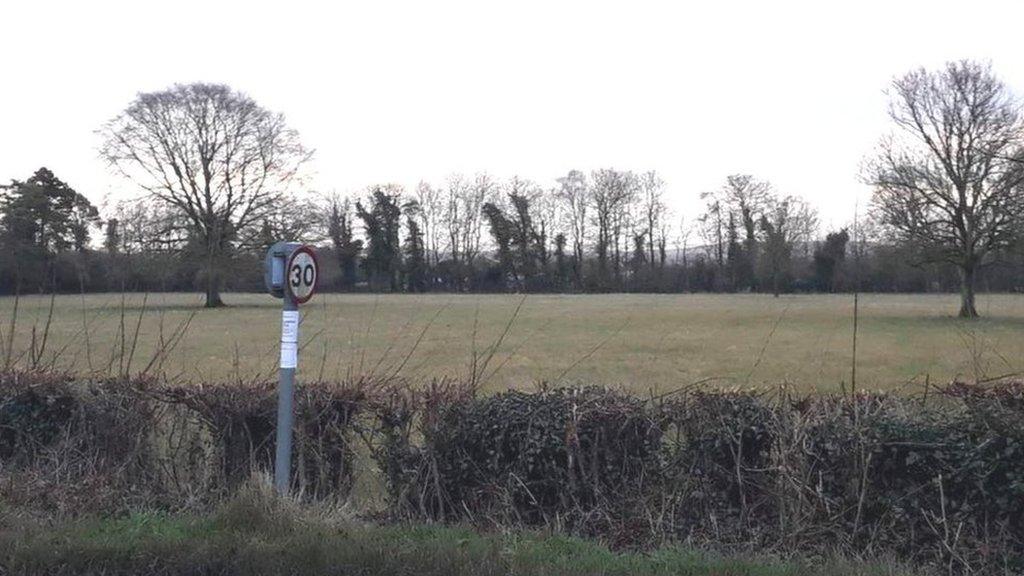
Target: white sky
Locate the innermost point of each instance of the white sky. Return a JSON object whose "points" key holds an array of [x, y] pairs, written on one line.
{"points": [[399, 91]]}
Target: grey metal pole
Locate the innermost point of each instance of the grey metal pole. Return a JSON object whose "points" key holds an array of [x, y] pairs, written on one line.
{"points": [[286, 393]]}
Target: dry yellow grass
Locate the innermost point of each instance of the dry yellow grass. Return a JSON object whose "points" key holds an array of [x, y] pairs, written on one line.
{"points": [[640, 341]]}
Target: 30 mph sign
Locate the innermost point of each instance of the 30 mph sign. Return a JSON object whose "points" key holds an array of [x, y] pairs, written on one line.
{"points": [[301, 274], [290, 273]]}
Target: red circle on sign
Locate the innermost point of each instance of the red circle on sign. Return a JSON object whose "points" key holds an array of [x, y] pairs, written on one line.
{"points": [[302, 274]]}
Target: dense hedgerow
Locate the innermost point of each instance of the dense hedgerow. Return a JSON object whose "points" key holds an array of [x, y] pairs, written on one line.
{"points": [[519, 456], [938, 480], [71, 447]]}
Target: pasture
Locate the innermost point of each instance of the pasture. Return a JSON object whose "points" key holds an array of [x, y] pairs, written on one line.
{"points": [[641, 342]]}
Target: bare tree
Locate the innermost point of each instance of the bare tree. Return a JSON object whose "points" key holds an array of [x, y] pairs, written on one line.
{"points": [[302, 221], [784, 222], [652, 192], [527, 203], [573, 194], [144, 230], [950, 179], [625, 216], [149, 228], [454, 219], [431, 210], [712, 227], [809, 224], [463, 219], [212, 155], [548, 215], [664, 231], [746, 199], [610, 195], [482, 190], [682, 256], [739, 202]]}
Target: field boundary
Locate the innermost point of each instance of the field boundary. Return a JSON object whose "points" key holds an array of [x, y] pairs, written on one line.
{"points": [[933, 481]]}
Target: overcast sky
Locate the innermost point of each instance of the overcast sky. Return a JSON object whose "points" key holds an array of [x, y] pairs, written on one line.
{"points": [[402, 91]]}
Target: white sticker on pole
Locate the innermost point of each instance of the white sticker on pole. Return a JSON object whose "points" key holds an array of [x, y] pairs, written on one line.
{"points": [[289, 354], [289, 338]]}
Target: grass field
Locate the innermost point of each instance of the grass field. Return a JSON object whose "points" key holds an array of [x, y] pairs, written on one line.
{"points": [[640, 341]]}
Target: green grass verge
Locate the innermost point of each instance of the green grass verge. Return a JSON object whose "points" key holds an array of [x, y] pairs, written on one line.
{"points": [[242, 538]]}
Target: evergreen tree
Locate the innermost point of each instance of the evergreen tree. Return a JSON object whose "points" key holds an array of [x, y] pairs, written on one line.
{"points": [[735, 257], [828, 258], [112, 239], [45, 213], [562, 268], [778, 253], [40, 218], [504, 234], [415, 256], [383, 261]]}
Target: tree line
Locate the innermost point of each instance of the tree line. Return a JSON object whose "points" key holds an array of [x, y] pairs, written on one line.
{"points": [[607, 231], [220, 173]]}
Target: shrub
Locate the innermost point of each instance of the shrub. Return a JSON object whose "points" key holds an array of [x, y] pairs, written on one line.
{"points": [[326, 421], [935, 481], [516, 456], [242, 420], [70, 446], [73, 444], [719, 456], [33, 416]]}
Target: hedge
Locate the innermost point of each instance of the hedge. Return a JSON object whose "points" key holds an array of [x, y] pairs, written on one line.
{"points": [[936, 481]]}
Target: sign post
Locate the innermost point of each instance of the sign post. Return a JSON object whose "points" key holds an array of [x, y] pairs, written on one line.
{"points": [[291, 273]]}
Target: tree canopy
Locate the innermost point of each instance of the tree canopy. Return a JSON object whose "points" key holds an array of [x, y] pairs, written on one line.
{"points": [[211, 154], [949, 179]]}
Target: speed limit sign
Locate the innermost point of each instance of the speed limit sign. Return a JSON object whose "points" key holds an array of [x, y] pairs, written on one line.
{"points": [[301, 274], [290, 272]]}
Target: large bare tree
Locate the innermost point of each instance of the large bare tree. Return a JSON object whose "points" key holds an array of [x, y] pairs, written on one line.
{"points": [[949, 179], [212, 155]]}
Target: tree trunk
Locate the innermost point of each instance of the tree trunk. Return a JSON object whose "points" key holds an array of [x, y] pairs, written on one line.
{"points": [[967, 280], [214, 258], [213, 299], [212, 286]]}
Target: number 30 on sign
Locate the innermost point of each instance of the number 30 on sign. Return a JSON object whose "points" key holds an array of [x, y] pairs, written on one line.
{"points": [[302, 274]]}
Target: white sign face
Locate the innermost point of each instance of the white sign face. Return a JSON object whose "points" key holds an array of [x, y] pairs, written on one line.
{"points": [[301, 274]]}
